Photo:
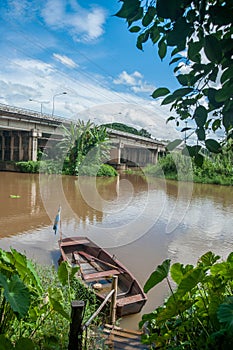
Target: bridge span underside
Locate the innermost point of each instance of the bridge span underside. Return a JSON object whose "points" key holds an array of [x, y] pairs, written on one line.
{"points": [[18, 145], [129, 156]]}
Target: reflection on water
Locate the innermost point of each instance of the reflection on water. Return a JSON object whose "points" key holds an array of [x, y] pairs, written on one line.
{"points": [[141, 221]]}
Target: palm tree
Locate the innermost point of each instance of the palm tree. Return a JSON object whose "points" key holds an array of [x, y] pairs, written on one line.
{"points": [[82, 138]]}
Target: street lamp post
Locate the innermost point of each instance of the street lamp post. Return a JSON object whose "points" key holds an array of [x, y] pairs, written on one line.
{"points": [[40, 102], [59, 94]]}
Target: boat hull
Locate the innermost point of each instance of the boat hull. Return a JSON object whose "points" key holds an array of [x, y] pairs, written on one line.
{"points": [[97, 267]]}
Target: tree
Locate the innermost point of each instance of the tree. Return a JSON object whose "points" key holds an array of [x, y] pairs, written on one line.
{"points": [[78, 142], [198, 35]]}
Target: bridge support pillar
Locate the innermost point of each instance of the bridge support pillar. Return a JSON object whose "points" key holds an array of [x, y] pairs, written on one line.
{"points": [[33, 144], [2, 147], [154, 156], [119, 153]]}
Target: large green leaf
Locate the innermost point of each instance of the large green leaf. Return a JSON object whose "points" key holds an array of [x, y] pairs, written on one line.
{"points": [[25, 344], [158, 275], [149, 16], [211, 93], [168, 99], [200, 116], [213, 145], [190, 281], [128, 9], [183, 79], [5, 343], [26, 270], [178, 271], [160, 92], [169, 8], [66, 273], [198, 160], [208, 259], [201, 134], [55, 299], [230, 258], [228, 119], [225, 312], [193, 49], [212, 48], [16, 293], [179, 32], [142, 38], [227, 74], [182, 92], [172, 145], [225, 93], [216, 125], [162, 49], [193, 150], [174, 307], [135, 29]]}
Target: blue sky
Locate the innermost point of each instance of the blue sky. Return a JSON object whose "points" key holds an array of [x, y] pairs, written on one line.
{"points": [[79, 47]]}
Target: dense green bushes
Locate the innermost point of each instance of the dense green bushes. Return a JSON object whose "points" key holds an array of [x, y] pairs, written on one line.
{"points": [[217, 169], [40, 166], [199, 312], [54, 167], [35, 303]]}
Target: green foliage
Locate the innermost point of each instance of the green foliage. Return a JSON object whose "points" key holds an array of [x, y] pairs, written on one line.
{"points": [[173, 166], [215, 169], [29, 166], [199, 313], [106, 170], [84, 145], [158, 275], [128, 129], [35, 303], [198, 34], [40, 166]]}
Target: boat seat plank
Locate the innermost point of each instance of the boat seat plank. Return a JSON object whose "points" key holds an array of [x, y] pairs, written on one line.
{"points": [[129, 300], [74, 242], [101, 274]]}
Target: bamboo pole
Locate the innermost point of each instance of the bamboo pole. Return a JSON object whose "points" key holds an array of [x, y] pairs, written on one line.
{"points": [[98, 310], [113, 300]]}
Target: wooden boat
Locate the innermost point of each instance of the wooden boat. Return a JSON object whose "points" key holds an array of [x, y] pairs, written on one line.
{"points": [[97, 267]]}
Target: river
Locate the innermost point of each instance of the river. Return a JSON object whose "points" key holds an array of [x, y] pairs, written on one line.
{"points": [[141, 220]]}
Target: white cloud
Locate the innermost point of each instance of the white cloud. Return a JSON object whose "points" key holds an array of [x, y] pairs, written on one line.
{"points": [[83, 24], [128, 79], [37, 66], [65, 60], [20, 8], [134, 81], [32, 79]]}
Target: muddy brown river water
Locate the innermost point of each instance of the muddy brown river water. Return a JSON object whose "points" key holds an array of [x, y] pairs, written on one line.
{"points": [[141, 220]]}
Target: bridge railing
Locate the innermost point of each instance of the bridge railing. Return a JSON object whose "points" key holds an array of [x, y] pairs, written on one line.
{"points": [[32, 113]]}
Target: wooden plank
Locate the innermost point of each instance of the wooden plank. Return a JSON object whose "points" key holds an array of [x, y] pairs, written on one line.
{"points": [[101, 274], [74, 242], [121, 333], [92, 258], [120, 338], [126, 330], [129, 300]]}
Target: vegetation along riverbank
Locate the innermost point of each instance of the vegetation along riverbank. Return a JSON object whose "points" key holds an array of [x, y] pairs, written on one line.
{"points": [[35, 303], [215, 169]]}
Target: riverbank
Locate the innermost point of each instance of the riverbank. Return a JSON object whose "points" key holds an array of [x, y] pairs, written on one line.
{"points": [[216, 170]]}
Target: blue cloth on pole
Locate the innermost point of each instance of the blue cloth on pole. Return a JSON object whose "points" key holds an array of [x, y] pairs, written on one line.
{"points": [[56, 221]]}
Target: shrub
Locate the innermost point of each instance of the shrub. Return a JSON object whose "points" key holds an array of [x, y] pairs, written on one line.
{"points": [[35, 303], [106, 170], [199, 312]]}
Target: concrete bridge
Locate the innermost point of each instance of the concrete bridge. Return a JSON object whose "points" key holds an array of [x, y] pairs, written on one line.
{"points": [[23, 132]]}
